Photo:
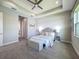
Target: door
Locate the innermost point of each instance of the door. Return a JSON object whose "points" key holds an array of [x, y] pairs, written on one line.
{"points": [[23, 28], [1, 28]]}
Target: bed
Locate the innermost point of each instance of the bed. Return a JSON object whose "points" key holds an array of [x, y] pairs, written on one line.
{"points": [[41, 41]]}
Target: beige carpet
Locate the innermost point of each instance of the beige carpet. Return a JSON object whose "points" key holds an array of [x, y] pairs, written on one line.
{"points": [[21, 50]]}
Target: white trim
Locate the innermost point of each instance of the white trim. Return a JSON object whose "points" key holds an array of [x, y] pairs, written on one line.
{"points": [[66, 41], [1, 45], [76, 50], [10, 43], [76, 36]]}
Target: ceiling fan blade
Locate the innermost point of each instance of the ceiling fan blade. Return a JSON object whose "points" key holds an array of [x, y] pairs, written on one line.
{"points": [[40, 7], [35, 1], [39, 1], [33, 7], [31, 1]]}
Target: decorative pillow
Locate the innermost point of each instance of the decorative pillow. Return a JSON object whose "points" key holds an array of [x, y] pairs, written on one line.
{"points": [[47, 33], [42, 33]]}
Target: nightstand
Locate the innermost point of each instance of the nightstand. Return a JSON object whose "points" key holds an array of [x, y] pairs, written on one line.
{"points": [[57, 38]]}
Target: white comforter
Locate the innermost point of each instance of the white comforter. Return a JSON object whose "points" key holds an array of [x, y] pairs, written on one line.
{"points": [[47, 40]]}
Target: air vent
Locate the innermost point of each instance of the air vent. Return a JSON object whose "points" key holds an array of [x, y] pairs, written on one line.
{"points": [[13, 8]]}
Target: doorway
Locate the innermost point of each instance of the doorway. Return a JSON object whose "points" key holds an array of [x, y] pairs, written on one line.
{"points": [[23, 28]]}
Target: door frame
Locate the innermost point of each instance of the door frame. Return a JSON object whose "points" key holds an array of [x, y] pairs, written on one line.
{"points": [[1, 31], [23, 30]]}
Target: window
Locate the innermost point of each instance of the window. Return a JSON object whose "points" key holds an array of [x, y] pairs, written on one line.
{"points": [[76, 22]]}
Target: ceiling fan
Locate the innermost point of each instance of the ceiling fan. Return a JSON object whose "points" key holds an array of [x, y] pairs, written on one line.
{"points": [[36, 3]]}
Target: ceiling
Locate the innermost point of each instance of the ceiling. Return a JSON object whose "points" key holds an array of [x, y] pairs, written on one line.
{"points": [[49, 6], [45, 4]]}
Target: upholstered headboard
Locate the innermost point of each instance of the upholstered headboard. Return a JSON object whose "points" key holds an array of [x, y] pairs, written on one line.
{"points": [[47, 31]]}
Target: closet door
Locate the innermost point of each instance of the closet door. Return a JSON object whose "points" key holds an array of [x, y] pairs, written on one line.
{"points": [[1, 28]]}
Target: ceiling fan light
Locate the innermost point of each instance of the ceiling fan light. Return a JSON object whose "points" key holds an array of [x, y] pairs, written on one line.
{"points": [[36, 5], [57, 2]]}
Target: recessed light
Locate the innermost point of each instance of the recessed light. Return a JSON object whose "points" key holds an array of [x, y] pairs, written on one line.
{"points": [[57, 2], [32, 15]]}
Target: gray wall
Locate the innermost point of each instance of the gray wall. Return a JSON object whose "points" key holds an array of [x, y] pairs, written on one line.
{"points": [[62, 20], [31, 29], [75, 40], [10, 25]]}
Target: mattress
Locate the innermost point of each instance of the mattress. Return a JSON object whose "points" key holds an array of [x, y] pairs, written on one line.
{"points": [[48, 40]]}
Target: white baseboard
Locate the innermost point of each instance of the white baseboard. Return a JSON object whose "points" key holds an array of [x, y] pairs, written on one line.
{"points": [[10, 43], [66, 41], [76, 50], [1, 45]]}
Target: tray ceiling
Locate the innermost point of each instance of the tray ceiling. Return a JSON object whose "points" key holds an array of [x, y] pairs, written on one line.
{"points": [[48, 6]]}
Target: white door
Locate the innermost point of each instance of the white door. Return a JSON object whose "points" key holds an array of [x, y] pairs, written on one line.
{"points": [[1, 28]]}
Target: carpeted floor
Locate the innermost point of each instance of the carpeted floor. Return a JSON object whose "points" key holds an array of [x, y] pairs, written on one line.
{"points": [[21, 50]]}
